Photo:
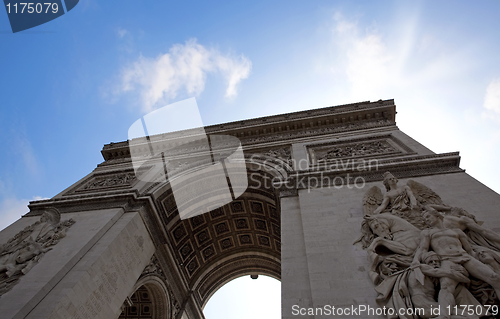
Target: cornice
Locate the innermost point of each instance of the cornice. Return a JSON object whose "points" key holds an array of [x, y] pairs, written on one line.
{"points": [[333, 119], [404, 167]]}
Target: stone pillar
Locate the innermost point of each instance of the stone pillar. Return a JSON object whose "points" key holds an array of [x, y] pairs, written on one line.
{"points": [[88, 273], [295, 282]]}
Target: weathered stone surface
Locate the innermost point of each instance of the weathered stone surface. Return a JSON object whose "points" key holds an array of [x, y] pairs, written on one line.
{"points": [[308, 173], [97, 285], [56, 264]]}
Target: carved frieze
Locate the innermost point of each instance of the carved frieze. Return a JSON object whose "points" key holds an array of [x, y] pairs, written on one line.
{"points": [[358, 149], [372, 147], [315, 132], [121, 179], [23, 251]]}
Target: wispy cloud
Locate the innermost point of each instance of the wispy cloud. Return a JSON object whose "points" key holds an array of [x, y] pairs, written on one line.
{"points": [[429, 75], [184, 67], [11, 209], [11, 206], [492, 97], [121, 32], [376, 64], [24, 148], [367, 60]]}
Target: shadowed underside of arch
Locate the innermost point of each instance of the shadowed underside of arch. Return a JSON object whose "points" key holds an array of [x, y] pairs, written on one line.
{"points": [[242, 237], [150, 300]]}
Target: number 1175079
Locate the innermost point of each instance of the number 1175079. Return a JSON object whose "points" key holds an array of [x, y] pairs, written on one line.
{"points": [[28, 7]]}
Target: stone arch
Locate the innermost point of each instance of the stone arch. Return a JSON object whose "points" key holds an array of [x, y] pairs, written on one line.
{"points": [[234, 267], [152, 291], [240, 238]]}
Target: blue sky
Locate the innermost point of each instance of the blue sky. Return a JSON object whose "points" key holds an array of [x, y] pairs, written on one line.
{"points": [[78, 82]]}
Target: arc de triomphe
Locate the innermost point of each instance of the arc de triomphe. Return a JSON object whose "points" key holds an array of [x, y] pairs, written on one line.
{"points": [[113, 245]]}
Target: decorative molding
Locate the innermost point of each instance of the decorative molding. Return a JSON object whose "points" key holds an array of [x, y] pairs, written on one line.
{"points": [[86, 202], [316, 132], [285, 126], [353, 175]]}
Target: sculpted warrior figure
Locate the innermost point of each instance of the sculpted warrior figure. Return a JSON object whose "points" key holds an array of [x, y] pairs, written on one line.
{"points": [[393, 233], [453, 247], [423, 294], [455, 217], [488, 257]]}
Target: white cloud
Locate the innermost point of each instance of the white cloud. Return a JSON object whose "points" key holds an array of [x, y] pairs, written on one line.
{"points": [[121, 32], [184, 67], [492, 97], [433, 80], [375, 64], [11, 209], [24, 148], [367, 59]]}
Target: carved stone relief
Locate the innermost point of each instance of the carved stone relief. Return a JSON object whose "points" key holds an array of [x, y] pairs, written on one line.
{"points": [[283, 153], [154, 268], [23, 251], [123, 179], [427, 255], [357, 148]]}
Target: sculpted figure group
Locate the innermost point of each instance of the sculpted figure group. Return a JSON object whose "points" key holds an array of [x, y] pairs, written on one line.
{"points": [[427, 255], [23, 251]]}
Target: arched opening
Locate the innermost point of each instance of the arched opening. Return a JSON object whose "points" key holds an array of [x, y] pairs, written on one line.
{"points": [[246, 298], [139, 305], [240, 238], [149, 301]]}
